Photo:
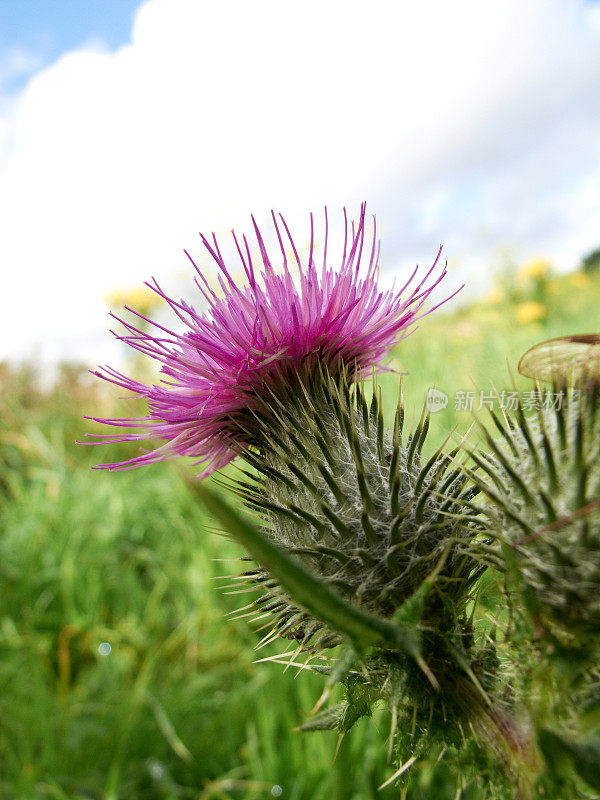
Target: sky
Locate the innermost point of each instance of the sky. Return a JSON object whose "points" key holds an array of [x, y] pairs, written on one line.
{"points": [[34, 33], [127, 127]]}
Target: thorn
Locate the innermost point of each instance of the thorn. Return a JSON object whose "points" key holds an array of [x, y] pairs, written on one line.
{"points": [[337, 747], [270, 636], [255, 619], [427, 672], [306, 665], [275, 657], [239, 610], [229, 559], [407, 765], [321, 701], [296, 652], [393, 727], [250, 614]]}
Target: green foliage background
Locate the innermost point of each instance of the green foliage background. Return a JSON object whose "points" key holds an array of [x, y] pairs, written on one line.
{"points": [[177, 708]]}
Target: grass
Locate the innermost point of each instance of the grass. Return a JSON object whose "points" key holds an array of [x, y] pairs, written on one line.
{"points": [[176, 705], [120, 675]]}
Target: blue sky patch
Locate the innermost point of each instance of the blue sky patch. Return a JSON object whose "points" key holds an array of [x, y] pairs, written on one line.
{"points": [[34, 33]]}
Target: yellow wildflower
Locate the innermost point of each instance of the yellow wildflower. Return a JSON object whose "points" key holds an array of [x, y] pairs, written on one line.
{"points": [[530, 311], [579, 280], [534, 269]]}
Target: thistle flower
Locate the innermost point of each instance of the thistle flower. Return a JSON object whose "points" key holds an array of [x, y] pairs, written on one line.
{"points": [[360, 540], [253, 339]]}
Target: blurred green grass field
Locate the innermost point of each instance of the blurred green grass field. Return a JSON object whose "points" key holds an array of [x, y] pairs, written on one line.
{"points": [[120, 675]]}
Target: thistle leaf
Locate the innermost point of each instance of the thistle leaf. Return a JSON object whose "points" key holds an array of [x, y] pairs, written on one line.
{"points": [[325, 720]]}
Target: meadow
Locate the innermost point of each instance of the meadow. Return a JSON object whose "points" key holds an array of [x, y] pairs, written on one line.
{"points": [[121, 675]]}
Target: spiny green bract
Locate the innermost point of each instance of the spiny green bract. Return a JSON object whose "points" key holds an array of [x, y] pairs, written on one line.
{"points": [[542, 484], [390, 531]]}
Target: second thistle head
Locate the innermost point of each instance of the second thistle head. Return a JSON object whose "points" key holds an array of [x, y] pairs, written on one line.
{"points": [[541, 483]]}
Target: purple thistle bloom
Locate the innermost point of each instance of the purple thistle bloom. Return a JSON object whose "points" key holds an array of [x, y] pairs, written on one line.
{"points": [[229, 357]]}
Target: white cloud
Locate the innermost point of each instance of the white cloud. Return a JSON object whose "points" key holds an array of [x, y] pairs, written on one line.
{"points": [[471, 123]]}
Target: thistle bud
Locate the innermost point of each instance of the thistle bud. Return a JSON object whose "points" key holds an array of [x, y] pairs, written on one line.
{"points": [[389, 532], [541, 485]]}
